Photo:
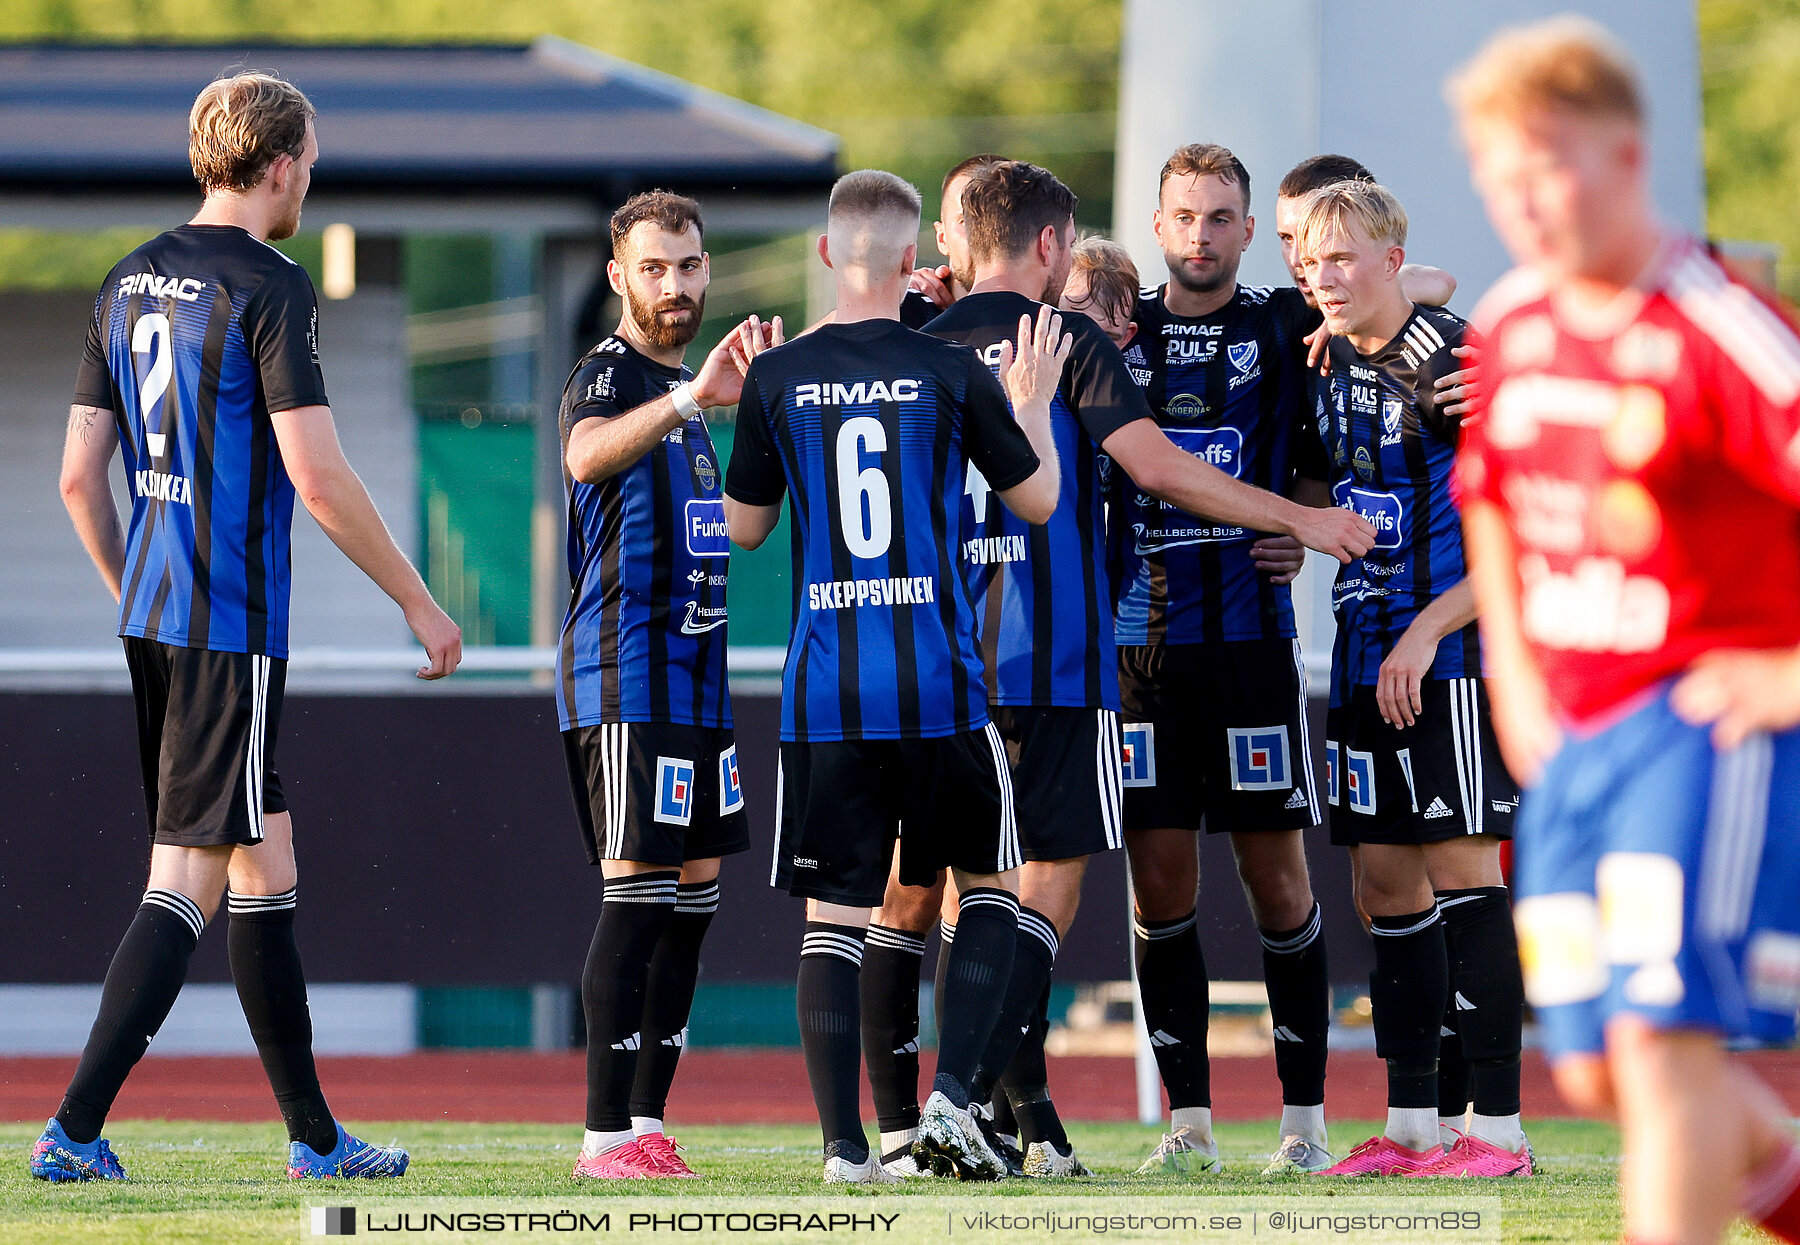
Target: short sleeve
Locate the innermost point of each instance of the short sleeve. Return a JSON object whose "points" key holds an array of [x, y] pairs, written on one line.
{"points": [[94, 379], [1100, 388], [1432, 416], [1311, 462], [593, 391], [1295, 315], [996, 444], [281, 329], [916, 310], [755, 476]]}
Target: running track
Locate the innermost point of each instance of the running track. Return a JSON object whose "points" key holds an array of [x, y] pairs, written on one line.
{"points": [[714, 1087]]}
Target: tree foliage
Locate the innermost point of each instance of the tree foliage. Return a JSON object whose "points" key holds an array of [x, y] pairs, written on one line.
{"points": [[1750, 60]]}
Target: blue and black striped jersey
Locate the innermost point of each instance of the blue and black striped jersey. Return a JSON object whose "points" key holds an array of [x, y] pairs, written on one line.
{"points": [[644, 636], [869, 429], [197, 336], [1046, 602], [1392, 451], [1229, 388]]}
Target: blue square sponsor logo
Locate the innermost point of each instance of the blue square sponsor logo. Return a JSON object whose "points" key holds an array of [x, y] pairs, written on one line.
{"points": [[1259, 758], [731, 791], [1384, 512], [1333, 767], [1359, 780], [705, 528], [674, 790], [1219, 447], [1139, 758]]}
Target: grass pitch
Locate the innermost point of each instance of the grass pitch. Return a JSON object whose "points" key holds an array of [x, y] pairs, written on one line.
{"points": [[213, 1182]]}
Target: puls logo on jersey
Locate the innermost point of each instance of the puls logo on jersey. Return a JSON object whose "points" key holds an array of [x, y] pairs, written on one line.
{"points": [[704, 526], [1259, 758], [1384, 512], [674, 791], [731, 791], [1138, 755], [862, 393]]}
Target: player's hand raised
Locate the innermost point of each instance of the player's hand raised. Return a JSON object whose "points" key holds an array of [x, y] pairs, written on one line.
{"points": [[1316, 356], [1033, 368], [933, 283], [1740, 691], [1279, 557], [720, 380], [1333, 530], [440, 635], [1456, 391]]}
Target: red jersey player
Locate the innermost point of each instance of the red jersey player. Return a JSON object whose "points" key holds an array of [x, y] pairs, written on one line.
{"points": [[1633, 513]]}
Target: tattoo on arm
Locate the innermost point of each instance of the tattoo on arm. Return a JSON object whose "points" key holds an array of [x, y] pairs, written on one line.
{"points": [[82, 420]]}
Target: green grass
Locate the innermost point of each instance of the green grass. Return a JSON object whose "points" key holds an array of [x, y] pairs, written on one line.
{"points": [[212, 1182]]}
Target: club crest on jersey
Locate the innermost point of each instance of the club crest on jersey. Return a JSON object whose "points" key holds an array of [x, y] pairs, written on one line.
{"points": [[1139, 754], [674, 791], [1259, 758], [1332, 768], [1242, 355], [1393, 421], [1359, 780], [705, 528], [731, 791], [707, 474]]}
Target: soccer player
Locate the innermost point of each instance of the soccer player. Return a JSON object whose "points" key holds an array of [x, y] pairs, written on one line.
{"points": [[870, 429], [1412, 773], [930, 290], [203, 357], [641, 681], [1045, 611], [1631, 495], [1103, 285]]}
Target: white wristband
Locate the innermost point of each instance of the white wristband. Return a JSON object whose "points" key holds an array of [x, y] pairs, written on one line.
{"points": [[683, 398]]}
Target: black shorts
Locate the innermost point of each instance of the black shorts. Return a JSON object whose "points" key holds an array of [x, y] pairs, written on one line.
{"points": [[841, 805], [1065, 770], [1216, 734], [206, 741], [1437, 779], [661, 793]]}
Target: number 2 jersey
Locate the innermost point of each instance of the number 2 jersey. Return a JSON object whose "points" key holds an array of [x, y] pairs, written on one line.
{"points": [[1046, 602], [1230, 389], [644, 636], [1647, 460], [869, 428], [197, 336], [1393, 453]]}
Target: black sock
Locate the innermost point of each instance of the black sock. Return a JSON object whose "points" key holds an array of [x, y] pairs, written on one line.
{"points": [[1033, 959], [1299, 982], [830, 1033], [981, 961], [1489, 993], [1407, 990], [634, 912], [271, 988], [1172, 983], [141, 984], [669, 996], [946, 937], [1453, 1069], [1000, 1109], [890, 1024], [1027, 1083]]}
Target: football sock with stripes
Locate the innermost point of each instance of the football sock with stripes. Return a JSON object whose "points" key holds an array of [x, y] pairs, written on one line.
{"points": [[271, 988], [1407, 990], [890, 1025], [1027, 1083], [1299, 981], [1033, 959], [1171, 981], [1453, 1069], [981, 962], [830, 1033], [1488, 995], [635, 910], [669, 999], [946, 936], [141, 984]]}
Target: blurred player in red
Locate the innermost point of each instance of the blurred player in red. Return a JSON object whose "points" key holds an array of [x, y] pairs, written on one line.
{"points": [[1632, 488]]}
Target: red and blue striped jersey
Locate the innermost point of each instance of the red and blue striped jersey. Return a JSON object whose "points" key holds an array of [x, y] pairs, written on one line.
{"points": [[869, 429], [644, 636], [197, 336]]}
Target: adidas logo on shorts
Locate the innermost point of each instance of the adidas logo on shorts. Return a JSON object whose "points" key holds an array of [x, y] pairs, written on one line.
{"points": [[1296, 800], [1438, 808]]}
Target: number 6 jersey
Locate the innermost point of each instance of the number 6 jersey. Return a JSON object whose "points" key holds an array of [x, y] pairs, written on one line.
{"points": [[870, 428], [197, 336]]}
